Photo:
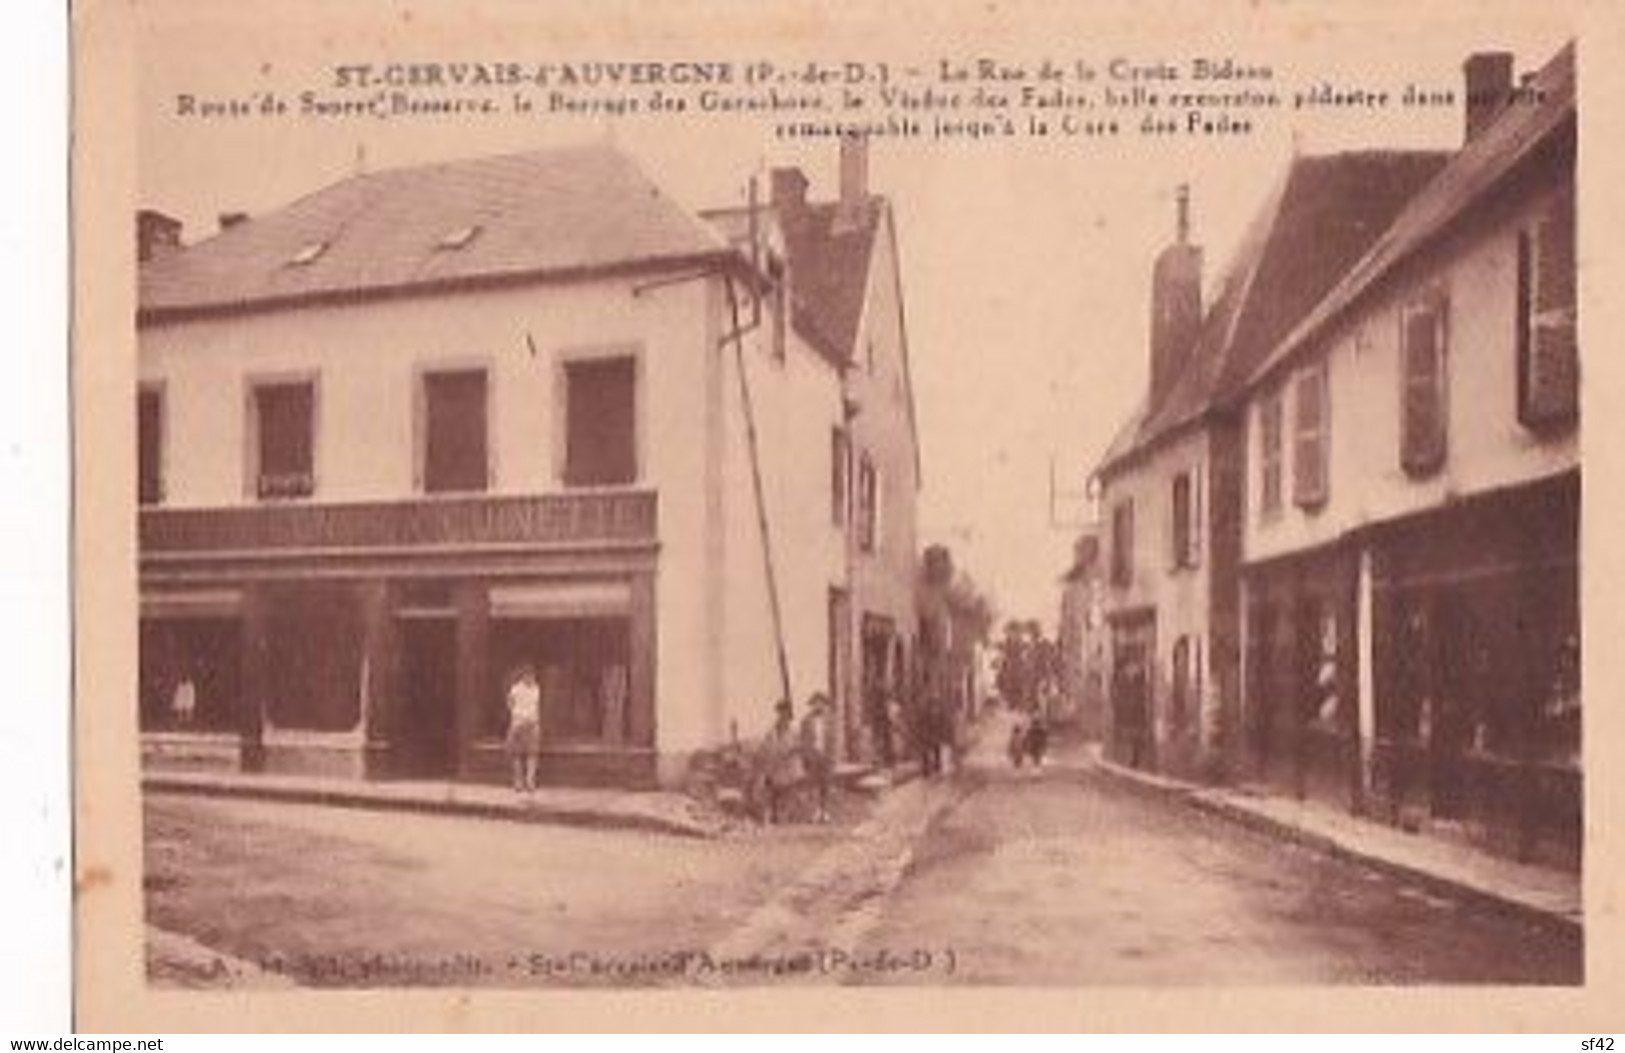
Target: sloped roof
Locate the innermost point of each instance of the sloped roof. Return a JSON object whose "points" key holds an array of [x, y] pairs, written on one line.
{"points": [[538, 215], [829, 255], [1475, 172], [1322, 215]]}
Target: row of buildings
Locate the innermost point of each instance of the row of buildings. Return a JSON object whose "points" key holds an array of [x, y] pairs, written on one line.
{"points": [[1338, 541], [427, 425]]}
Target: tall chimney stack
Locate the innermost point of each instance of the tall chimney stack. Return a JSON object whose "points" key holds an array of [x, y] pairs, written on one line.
{"points": [[854, 178], [1176, 302], [788, 192], [1488, 77]]}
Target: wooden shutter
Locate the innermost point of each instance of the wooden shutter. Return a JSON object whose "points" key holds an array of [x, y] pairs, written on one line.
{"points": [[1270, 454], [1548, 356], [1179, 515], [1309, 449], [839, 458], [149, 445], [1123, 544], [1193, 532], [1422, 395]]}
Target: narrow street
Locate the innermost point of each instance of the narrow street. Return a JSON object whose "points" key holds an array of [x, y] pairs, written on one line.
{"points": [[1060, 876], [1064, 877]]}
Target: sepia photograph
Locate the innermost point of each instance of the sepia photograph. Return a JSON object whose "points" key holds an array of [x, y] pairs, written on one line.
{"points": [[803, 505]]}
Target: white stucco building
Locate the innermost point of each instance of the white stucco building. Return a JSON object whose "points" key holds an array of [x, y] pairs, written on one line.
{"points": [[426, 425]]}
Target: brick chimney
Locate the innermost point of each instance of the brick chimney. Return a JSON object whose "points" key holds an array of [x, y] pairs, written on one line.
{"points": [[155, 234], [1176, 303], [1488, 77], [854, 178], [789, 193]]}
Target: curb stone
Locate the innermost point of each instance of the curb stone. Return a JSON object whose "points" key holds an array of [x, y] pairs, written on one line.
{"points": [[530, 811]]}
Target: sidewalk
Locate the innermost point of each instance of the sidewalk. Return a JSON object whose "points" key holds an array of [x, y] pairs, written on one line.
{"points": [[655, 811], [1543, 893]]}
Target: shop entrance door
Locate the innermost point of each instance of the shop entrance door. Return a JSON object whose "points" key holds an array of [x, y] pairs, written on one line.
{"points": [[426, 733]]}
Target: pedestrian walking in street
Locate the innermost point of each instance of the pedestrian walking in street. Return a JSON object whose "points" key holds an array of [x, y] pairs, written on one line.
{"points": [[524, 728], [780, 761], [818, 752], [882, 710], [930, 733]]}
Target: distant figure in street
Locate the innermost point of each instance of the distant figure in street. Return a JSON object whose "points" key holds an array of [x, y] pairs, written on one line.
{"points": [[1029, 738], [818, 752], [930, 732], [524, 728], [780, 761], [184, 702], [884, 713]]}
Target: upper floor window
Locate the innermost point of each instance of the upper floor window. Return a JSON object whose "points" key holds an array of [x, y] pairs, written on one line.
{"points": [[1548, 355], [1123, 544], [1424, 413], [1185, 521], [840, 456], [1270, 454], [149, 446], [1311, 438], [455, 433], [868, 504], [283, 444], [600, 444]]}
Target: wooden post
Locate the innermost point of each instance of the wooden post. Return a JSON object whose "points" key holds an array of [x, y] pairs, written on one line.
{"points": [[642, 661], [473, 682], [380, 651], [256, 668]]}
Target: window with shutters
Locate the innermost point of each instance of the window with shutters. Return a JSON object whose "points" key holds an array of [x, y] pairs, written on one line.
{"points": [[1423, 411], [150, 446], [840, 459], [1548, 355], [1185, 521], [283, 439], [1123, 544], [868, 504], [455, 435], [1270, 455], [600, 413], [1311, 438]]}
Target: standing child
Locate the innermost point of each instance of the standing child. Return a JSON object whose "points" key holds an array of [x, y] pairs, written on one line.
{"points": [[781, 767], [525, 728]]}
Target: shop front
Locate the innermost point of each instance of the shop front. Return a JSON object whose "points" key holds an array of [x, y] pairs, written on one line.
{"points": [[1477, 692], [388, 651], [1301, 700]]}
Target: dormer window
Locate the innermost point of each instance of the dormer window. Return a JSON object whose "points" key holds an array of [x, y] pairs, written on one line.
{"points": [[459, 238], [308, 254]]}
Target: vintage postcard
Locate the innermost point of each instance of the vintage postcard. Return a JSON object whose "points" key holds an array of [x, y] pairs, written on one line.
{"points": [[753, 515]]}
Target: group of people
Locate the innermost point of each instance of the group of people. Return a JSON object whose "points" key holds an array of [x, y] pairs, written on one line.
{"points": [[792, 755]]}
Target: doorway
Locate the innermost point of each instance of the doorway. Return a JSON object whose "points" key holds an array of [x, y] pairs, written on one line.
{"points": [[1134, 641], [426, 734]]}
